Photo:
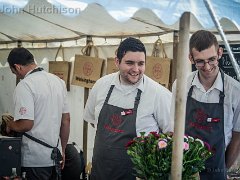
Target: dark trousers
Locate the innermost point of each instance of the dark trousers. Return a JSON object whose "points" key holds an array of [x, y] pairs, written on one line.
{"points": [[40, 173]]}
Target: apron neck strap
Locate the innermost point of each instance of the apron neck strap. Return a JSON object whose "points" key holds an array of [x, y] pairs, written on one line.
{"points": [[222, 95], [36, 70], [137, 99], [109, 94]]}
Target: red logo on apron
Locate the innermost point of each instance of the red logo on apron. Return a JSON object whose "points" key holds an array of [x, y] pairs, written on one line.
{"points": [[200, 116], [116, 120]]}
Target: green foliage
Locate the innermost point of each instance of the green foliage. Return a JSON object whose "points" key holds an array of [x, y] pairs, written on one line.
{"points": [[152, 156]]}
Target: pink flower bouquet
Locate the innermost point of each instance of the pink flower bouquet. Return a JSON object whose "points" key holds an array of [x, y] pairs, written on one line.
{"points": [[152, 156]]}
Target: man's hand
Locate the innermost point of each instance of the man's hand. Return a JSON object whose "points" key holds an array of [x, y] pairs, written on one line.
{"points": [[63, 161], [7, 117], [8, 120]]}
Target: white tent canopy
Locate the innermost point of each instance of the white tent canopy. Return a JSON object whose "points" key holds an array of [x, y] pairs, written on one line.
{"points": [[42, 21]]}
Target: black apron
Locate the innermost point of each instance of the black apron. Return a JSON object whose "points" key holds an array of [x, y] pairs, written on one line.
{"points": [[206, 122], [116, 127]]}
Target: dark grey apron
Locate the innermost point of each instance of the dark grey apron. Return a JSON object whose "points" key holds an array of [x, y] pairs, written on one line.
{"points": [[116, 127], [206, 122]]}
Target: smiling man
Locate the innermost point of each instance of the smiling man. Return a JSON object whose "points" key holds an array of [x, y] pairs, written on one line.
{"points": [[213, 105], [122, 105]]}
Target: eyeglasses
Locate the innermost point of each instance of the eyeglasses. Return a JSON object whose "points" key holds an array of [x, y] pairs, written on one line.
{"points": [[211, 61]]}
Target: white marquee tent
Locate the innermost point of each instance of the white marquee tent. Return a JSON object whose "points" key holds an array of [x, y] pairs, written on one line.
{"points": [[42, 25], [42, 21]]}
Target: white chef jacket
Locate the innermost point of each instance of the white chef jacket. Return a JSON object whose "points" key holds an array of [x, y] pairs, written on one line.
{"points": [[153, 112], [231, 100], [41, 97]]}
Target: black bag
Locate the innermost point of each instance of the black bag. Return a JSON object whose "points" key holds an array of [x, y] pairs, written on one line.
{"points": [[10, 156], [74, 164]]}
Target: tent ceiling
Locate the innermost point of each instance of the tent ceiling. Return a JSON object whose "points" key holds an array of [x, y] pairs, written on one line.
{"points": [[34, 23]]}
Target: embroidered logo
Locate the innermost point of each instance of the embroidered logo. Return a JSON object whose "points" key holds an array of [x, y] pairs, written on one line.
{"points": [[107, 127], [200, 121], [200, 116], [22, 110], [116, 120], [200, 126]]}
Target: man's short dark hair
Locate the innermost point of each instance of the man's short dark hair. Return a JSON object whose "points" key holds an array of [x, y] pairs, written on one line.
{"points": [[130, 44], [202, 40], [20, 56]]}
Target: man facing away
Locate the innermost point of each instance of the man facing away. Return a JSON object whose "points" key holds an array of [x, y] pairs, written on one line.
{"points": [[40, 110], [122, 105], [213, 105]]}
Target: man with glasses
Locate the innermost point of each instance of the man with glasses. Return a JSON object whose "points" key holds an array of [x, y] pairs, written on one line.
{"points": [[213, 105]]}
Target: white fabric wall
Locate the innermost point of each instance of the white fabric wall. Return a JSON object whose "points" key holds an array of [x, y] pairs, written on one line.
{"points": [[7, 85], [76, 93]]}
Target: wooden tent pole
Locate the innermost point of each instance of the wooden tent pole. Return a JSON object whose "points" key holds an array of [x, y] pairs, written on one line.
{"points": [[85, 124], [180, 105], [85, 127]]}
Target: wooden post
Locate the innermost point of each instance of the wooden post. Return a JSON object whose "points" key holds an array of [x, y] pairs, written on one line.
{"points": [[85, 124], [181, 96]]}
